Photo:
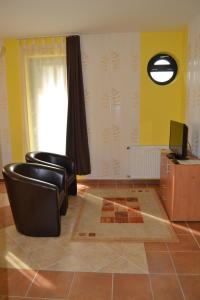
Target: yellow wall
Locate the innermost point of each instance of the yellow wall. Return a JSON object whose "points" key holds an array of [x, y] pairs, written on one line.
{"points": [[14, 98], [158, 105], [161, 103]]}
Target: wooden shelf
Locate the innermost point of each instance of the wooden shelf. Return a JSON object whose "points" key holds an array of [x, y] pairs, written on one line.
{"points": [[180, 189]]}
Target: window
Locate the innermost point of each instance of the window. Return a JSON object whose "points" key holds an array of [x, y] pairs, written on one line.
{"points": [[162, 69], [47, 103]]}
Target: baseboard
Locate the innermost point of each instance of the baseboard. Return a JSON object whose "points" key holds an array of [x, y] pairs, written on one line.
{"points": [[117, 181], [120, 181]]}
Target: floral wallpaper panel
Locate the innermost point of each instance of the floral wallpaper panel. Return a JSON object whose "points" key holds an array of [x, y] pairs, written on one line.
{"points": [[111, 82], [193, 86]]}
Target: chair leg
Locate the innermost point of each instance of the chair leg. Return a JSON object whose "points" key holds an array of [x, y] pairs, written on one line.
{"points": [[72, 190]]}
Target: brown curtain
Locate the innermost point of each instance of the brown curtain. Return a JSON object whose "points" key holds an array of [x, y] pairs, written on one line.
{"points": [[77, 138]]}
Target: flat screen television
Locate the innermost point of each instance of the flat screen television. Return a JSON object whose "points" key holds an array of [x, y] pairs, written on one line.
{"points": [[178, 139]]}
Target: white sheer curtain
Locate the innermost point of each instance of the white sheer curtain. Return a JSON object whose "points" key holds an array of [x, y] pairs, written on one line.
{"points": [[46, 94]]}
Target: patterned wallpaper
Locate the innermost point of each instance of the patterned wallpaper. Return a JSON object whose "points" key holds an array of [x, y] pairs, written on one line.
{"points": [[111, 71], [5, 146], [193, 90]]}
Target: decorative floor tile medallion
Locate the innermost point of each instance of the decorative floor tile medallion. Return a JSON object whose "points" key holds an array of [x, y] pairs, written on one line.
{"points": [[121, 210], [122, 214]]}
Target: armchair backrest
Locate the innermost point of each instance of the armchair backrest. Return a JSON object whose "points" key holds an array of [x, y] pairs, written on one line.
{"points": [[25, 172], [52, 159]]}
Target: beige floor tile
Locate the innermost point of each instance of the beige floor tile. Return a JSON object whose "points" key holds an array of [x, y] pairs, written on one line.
{"points": [[98, 255], [26, 242], [91, 256], [70, 263], [47, 255], [135, 253], [121, 265], [13, 256], [65, 255]]}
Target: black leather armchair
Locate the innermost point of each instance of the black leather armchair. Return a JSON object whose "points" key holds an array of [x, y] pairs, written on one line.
{"points": [[56, 160], [37, 197]]}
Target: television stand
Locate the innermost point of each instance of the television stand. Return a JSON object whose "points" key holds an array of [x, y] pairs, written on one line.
{"points": [[180, 188]]}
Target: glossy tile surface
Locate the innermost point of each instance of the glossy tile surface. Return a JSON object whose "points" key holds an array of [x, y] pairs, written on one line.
{"points": [[166, 287], [160, 262], [190, 286], [91, 286], [15, 282], [126, 287], [186, 243], [49, 284], [49, 268], [187, 262]]}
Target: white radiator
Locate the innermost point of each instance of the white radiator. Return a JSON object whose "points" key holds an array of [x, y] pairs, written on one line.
{"points": [[144, 162]]}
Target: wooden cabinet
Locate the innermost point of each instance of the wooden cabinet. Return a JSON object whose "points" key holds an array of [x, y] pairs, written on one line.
{"points": [[180, 189]]}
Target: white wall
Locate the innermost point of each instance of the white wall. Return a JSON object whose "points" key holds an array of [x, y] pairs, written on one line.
{"points": [[5, 146], [193, 82], [111, 72]]}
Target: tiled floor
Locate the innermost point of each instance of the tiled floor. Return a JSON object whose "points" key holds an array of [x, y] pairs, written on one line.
{"points": [[173, 270]]}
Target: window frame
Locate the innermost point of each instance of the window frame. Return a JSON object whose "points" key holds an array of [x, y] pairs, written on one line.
{"points": [[171, 67]]}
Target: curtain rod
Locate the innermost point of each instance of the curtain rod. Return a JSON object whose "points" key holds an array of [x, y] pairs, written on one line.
{"points": [[46, 36], [40, 37]]}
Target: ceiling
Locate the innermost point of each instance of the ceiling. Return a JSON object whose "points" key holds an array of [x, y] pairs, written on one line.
{"points": [[29, 18]]}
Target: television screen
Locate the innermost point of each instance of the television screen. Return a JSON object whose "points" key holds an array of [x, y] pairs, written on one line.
{"points": [[178, 139]]}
